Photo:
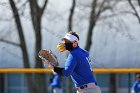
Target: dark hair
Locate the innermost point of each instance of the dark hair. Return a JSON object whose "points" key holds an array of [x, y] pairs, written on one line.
{"points": [[74, 33]]}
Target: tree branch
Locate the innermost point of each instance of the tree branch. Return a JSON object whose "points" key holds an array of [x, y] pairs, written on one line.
{"points": [[134, 9], [116, 14], [9, 42], [139, 2], [101, 8], [44, 6], [23, 7], [71, 16]]}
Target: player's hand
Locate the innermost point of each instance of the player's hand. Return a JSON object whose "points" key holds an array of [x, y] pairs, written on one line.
{"points": [[45, 60], [51, 66]]}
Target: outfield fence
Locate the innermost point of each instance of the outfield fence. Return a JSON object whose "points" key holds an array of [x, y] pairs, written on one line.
{"points": [[13, 79]]}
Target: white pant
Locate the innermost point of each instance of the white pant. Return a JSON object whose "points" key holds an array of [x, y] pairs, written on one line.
{"points": [[134, 91], [91, 88], [57, 90]]}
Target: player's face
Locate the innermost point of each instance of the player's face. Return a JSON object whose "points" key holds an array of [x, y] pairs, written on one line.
{"points": [[74, 43], [65, 44]]}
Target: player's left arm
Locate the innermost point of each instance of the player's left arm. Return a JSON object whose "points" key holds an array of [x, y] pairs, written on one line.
{"points": [[58, 70]]}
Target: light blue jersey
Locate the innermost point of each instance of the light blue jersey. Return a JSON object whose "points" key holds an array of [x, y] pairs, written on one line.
{"points": [[56, 82], [77, 66], [136, 86]]}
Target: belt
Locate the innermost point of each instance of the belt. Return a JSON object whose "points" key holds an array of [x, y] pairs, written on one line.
{"points": [[84, 86]]}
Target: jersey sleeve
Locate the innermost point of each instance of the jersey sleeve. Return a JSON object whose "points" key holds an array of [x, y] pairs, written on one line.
{"points": [[69, 65], [134, 85]]}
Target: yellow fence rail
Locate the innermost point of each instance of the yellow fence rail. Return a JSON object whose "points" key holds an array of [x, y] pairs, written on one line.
{"points": [[47, 70]]}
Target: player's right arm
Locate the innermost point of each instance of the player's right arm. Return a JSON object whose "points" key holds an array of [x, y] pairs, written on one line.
{"points": [[69, 67]]}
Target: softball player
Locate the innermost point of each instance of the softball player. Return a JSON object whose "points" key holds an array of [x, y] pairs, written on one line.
{"points": [[77, 65], [136, 86], [56, 84]]}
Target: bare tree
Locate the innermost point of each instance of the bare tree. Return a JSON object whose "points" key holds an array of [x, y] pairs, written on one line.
{"points": [[71, 15], [37, 85], [136, 14], [92, 21], [30, 84], [2, 83], [139, 2], [98, 7], [36, 15]]}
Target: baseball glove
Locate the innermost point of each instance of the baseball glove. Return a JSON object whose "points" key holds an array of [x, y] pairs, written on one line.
{"points": [[48, 57]]}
